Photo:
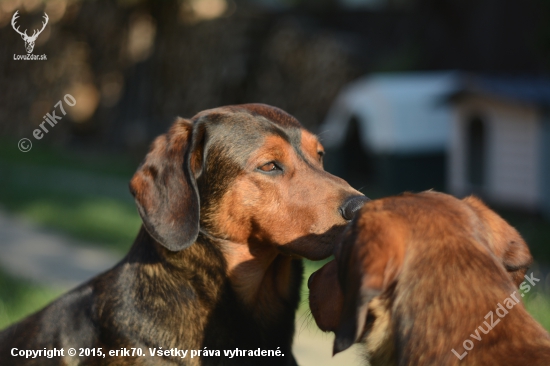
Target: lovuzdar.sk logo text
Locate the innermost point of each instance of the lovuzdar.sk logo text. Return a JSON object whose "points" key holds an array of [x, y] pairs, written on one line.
{"points": [[29, 40]]}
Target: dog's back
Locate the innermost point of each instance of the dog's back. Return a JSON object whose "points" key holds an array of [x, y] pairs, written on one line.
{"points": [[427, 279], [454, 301]]}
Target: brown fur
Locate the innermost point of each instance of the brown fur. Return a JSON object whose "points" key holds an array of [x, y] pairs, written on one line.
{"points": [[216, 264], [417, 275]]}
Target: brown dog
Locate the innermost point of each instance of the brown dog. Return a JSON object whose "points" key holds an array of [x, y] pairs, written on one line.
{"points": [[425, 279], [230, 202]]}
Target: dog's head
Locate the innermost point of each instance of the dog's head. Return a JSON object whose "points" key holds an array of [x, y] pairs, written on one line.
{"points": [[245, 174], [350, 295]]}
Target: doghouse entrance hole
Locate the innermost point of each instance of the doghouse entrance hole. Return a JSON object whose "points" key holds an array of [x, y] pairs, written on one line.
{"points": [[476, 145]]}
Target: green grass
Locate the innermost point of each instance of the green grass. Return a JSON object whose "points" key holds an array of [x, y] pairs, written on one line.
{"points": [[19, 298], [309, 268], [101, 221], [85, 200], [538, 306]]}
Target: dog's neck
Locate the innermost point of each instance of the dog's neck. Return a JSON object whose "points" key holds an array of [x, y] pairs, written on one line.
{"points": [[259, 274]]}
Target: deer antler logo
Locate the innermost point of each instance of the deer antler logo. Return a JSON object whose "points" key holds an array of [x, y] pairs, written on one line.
{"points": [[29, 41]]}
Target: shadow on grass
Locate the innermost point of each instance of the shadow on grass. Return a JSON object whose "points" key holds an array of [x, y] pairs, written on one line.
{"points": [[44, 156]]}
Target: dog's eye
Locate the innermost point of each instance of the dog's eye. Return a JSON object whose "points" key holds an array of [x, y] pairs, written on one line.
{"points": [[270, 167], [321, 154]]}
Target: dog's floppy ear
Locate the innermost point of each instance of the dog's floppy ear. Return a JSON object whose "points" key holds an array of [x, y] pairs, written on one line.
{"points": [[371, 257], [505, 241], [165, 189]]}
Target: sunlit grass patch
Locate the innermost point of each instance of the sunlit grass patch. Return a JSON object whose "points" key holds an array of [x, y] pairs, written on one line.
{"points": [[104, 221], [538, 305]]}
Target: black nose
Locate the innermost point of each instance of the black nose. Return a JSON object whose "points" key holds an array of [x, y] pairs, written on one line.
{"points": [[351, 205]]}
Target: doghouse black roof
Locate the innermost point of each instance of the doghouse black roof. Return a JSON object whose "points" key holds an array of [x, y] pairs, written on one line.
{"points": [[526, 89]]}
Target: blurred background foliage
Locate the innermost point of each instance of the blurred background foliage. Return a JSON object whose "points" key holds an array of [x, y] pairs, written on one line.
{"points": [[134, 65]]}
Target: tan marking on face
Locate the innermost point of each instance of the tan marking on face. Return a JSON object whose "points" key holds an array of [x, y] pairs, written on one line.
{"points": [[265, 216], [312, 148], [283, 207], [274, 148]]}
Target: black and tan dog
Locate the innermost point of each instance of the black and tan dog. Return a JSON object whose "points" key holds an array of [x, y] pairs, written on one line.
{"points": [[427, 279], [230, 202]]}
